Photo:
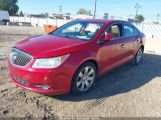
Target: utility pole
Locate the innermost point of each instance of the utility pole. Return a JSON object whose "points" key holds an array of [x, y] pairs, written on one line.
{"points": [[158, 15], [60, 9], [95, 8], [137, 6]]}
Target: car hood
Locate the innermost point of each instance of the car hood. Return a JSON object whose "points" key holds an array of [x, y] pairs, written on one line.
{"points": [[44, 46]]}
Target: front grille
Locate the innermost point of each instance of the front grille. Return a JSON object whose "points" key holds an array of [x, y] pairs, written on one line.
{"points": [[19, 58]]}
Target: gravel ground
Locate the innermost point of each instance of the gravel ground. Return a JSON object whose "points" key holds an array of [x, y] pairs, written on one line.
{"points": [[128, 91]]}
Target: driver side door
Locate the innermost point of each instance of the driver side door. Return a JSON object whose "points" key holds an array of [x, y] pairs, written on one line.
{"points": [[112, 53]]}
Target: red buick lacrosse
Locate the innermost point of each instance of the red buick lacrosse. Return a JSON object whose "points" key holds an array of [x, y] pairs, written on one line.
{"points": [[74, 56]]}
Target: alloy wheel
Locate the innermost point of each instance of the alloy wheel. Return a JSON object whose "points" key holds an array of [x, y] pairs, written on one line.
{"points": [[85, 78], [139, 56]]}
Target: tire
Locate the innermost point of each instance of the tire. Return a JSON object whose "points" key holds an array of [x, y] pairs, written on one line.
{"points": [[84, 78], [139, 56]]}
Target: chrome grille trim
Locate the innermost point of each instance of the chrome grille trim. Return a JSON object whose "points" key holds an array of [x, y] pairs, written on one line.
{"points": [[19, 58]]}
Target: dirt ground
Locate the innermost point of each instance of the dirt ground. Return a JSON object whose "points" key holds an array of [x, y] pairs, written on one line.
{"points": [[128, 91]]}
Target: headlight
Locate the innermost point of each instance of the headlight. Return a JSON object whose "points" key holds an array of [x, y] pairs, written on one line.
{"points": [[46, 63]]}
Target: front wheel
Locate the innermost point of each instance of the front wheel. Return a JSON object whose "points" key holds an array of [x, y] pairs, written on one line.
{"points": [[139, 56], [84, 78]]}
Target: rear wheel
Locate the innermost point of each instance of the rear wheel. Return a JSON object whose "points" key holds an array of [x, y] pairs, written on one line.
{"points": [[84, 78], [139, 56]]}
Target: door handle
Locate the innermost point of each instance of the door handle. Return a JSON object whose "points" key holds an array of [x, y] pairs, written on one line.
{"points": [[123, 45]]}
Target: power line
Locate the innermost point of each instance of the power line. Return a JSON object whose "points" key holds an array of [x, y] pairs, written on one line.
{"points": [[60, 9], [158, 15]]}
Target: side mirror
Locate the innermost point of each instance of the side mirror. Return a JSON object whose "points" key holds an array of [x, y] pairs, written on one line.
{"points": [[108, 37]]}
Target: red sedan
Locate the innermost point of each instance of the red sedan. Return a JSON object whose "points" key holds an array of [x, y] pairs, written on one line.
{"points": [[72, 57]]}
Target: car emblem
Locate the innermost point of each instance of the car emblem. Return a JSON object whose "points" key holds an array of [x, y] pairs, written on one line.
{"points": [[13, 57]]}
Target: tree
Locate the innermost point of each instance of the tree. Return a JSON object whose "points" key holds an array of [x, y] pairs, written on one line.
{"points": [[140, 18], [88, 12], [68, 14], [10, 6], [83, 11], [44, 15]]}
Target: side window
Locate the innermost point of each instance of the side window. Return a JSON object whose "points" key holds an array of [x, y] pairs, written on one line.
{"points": [[114, 30], [128, 30], [136, 31]]}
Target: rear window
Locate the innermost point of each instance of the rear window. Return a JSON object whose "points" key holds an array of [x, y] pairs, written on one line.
{"points": [[136, 31], [128, 30]]}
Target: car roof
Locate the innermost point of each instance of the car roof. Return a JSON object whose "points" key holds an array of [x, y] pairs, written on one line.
{"points": [[101, 20]]}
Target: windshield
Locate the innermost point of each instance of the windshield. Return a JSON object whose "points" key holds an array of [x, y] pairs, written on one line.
{"points": [[78, 30]]}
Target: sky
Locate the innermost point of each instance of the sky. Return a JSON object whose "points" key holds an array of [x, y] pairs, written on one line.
{"points": [[150, 8]]}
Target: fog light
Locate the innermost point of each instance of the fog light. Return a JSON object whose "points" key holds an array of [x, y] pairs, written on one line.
{"points": [[44, 87]]}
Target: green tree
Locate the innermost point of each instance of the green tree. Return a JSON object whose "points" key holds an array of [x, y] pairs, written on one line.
{"points": [[44, 15], [68, 14], [140, 18], [83, 11], [88, 12], [10, 6]]}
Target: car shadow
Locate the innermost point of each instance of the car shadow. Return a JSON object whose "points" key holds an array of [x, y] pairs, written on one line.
{"points": [[121, 80]]}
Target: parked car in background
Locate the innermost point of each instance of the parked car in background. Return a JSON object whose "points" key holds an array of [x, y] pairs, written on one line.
{"points": [[4, 17], [72, 57]]}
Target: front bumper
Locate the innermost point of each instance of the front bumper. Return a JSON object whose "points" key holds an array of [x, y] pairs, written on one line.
{"points": [[58, 79]]}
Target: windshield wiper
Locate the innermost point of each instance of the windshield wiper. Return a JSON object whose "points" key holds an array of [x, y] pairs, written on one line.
{"points": [[68, 36]]}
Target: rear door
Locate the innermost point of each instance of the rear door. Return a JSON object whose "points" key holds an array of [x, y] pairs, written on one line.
{"points": [[132, 40]]}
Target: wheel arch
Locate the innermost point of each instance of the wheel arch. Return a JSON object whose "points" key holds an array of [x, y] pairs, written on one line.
{"points": [[84, 62], [142, 47], [92, 61]]}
